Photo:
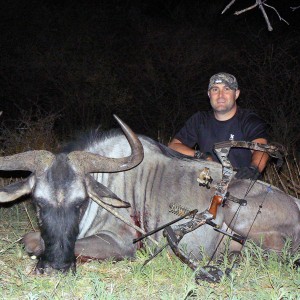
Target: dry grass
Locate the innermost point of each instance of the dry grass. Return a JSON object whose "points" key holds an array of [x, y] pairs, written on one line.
{"points": [[258, 276], [34, 131], [287, 178]]}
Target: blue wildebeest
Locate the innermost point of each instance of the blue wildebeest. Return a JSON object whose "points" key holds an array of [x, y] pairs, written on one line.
{"points": [[107, 168]]}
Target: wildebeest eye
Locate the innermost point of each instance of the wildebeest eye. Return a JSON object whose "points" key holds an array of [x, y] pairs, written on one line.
{"points": [[79, 202], [39, 202]]}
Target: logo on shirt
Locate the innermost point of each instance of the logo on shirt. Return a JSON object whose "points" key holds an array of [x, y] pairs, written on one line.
{"points": [[231, 138]]}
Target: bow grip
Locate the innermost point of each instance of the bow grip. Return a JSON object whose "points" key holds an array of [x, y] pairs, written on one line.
{"points": [[216, 201]]}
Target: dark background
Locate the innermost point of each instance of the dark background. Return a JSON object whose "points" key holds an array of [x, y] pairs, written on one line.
{"points": [[67, 66]]}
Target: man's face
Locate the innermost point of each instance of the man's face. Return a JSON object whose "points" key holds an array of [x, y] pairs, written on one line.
{"points": [[222, 98]]}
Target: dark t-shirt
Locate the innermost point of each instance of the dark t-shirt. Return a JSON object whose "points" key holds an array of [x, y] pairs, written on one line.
{"points": [[205, 130]]}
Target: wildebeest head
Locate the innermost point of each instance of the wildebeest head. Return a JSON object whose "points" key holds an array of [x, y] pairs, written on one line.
{"points": [[60, 186]]}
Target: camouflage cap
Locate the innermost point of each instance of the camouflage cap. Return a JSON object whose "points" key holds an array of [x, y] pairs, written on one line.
{"points": [[225, 78]]}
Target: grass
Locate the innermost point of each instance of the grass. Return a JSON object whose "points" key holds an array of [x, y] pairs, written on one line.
{"points": [[258, 276]]}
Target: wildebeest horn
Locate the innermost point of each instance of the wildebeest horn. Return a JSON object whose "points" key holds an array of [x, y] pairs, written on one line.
{"points": [[93, 163], [16, 190], [35, 161]]}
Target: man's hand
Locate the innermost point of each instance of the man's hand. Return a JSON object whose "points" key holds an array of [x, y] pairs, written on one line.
{"points": [[248, 173], [201, 155]]}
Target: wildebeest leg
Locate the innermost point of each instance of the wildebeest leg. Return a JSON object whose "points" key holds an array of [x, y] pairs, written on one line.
{"points": [[228, 245], [271, 240], [268, 241], [102, 246], [34, 244]]}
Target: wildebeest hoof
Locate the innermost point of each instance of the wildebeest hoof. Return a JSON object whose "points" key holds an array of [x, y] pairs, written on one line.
{"points": [[34, 244]]}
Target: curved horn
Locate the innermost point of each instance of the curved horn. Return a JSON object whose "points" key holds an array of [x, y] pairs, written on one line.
{"points": [[35, 161], [16, 190], [93, 163]]}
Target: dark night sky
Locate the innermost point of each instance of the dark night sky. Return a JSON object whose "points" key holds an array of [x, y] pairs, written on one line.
{"points": [[148, 61]]}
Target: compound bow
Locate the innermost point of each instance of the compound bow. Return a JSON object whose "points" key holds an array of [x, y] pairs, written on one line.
{"points": [[175, 233]]}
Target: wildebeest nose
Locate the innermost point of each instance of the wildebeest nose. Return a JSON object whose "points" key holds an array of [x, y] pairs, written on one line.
{"points": [[46, 268]]}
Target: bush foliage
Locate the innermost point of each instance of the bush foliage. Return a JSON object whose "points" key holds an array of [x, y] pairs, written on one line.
{"points": [[150, 64]]}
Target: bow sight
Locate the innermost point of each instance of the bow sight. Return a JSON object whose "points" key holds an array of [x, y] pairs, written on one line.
{"points": [[175, 233]]}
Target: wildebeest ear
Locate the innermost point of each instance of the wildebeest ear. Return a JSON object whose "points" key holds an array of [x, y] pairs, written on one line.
{"points": [[100, 192], [16, 190]]}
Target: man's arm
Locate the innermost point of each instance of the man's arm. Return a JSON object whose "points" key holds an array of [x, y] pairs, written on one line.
{"points": [[259, 159], [179, 147], [258, 163]]}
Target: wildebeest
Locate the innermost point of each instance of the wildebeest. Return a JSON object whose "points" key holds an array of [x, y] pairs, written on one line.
{"points": [[109, 168]]}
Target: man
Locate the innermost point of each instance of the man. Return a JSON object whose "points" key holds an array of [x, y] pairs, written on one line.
{"points": [[226, 121]]}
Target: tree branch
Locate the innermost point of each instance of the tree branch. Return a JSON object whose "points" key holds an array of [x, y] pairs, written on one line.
{"points": [[260, 4], [281, 19], [227, 7], [293, 8], [246, 9]]}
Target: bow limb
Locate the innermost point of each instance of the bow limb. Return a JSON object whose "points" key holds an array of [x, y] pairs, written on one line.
{"points": [[276, 151], [173, 241], [175, 234]]}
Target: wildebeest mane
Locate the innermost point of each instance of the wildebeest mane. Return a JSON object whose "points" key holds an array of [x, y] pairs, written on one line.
{"points": [[87, 139], [172, 153], [165, 150]]}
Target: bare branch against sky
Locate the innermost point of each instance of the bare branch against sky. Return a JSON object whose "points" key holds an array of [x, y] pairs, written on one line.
{"points": [[260, 4]]}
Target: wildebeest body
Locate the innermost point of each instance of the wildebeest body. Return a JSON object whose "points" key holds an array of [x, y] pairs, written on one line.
{"points": [[150, 188], [163, 178], [62, 185], [272, 224]]}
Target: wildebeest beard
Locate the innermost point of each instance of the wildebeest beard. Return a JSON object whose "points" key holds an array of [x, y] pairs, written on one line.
{"points": [[59, 229]]}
